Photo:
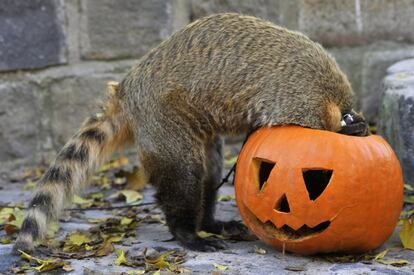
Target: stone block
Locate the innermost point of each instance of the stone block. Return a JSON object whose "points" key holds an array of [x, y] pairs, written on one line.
{"points": [[31, 34], [340, 23], [396, 117], [129, 28], [374, 68], [365, 67], [277, 11], [19, 120], [73, 95]]}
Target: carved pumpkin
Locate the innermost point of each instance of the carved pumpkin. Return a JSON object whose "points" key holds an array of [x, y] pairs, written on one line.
{"points": [[310, 191]]}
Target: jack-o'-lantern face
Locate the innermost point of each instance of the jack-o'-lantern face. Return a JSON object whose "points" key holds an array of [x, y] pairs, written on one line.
{"points": [[311, 191]]}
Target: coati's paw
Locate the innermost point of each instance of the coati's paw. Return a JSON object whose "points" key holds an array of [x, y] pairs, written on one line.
{"points": [[355, 129], [232, 229], [205, 245], [21, 245], [192, 241]]}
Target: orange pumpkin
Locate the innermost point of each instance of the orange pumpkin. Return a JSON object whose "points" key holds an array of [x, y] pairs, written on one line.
{"points": [[311, 191]]}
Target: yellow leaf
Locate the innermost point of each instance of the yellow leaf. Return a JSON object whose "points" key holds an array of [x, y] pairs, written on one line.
{"points": [[230, 162], [408, 187], [259, 250], [220, 267], [76, 240], [83, 203], [409, 199], [43, 265], [29, 185], [113, 164], [114, 239], [226, 198], [204, 235], [381, 255], [126, 221], [135, 272], [407, 234], [394, 262], [120, 181], [26, 256], [137, 179], [160, 261], [130, 195], [121, 259], [49, 265]]}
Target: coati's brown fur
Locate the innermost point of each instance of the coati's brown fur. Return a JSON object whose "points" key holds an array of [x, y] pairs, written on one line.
{"points": [[223, 74]]}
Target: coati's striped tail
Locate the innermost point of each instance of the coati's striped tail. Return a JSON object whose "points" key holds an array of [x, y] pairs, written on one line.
{"points": [[98, 138]]}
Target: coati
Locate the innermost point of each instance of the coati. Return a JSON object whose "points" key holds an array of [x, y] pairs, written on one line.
{"points": [[221, 75]]}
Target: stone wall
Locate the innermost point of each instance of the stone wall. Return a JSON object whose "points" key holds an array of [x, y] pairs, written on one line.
{"points": [[57, 55]]}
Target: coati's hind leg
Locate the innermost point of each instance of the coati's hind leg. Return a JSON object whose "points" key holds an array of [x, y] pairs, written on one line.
{"points": [[214, 161], [176, 166]]}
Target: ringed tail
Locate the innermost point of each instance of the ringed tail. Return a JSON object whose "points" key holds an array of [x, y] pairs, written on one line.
{"points": [[99, 136]]}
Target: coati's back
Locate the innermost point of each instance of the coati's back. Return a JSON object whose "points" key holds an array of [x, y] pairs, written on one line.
{"points": [[244, 72]]}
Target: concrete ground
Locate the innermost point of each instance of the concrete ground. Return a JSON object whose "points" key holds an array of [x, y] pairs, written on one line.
{"points": [[238, 258]]}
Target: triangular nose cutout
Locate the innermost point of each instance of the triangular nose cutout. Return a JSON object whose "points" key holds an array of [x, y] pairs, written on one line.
{"points": [[316, 181], [264, 169], [282, 205]]}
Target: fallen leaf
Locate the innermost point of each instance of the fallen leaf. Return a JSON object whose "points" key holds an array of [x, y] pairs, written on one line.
{"points": [[121, 259], [226, 198], [381, 255], [43, 265], [204, 235], [259, 250], [407, 234], [135, 272], [81, 202], [75, 240], [230, 162], [78, 238], [394, 262], [29, 185], [68, 268], [220, 267], [137, 179], [126, 221], [408, 187], [295, 268], [120, 181], [130, 196], [106, 249], [113, 164]]}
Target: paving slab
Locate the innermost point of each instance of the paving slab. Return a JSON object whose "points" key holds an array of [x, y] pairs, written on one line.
{"points": [[239, 257]]}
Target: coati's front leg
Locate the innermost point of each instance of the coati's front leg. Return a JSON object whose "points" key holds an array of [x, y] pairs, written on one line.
{"points": [[354, 124], [214, 175]]}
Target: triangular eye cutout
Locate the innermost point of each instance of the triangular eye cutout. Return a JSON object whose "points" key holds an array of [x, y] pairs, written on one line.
{"points": [[316, 181], [282, 205], [263, 168]]}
